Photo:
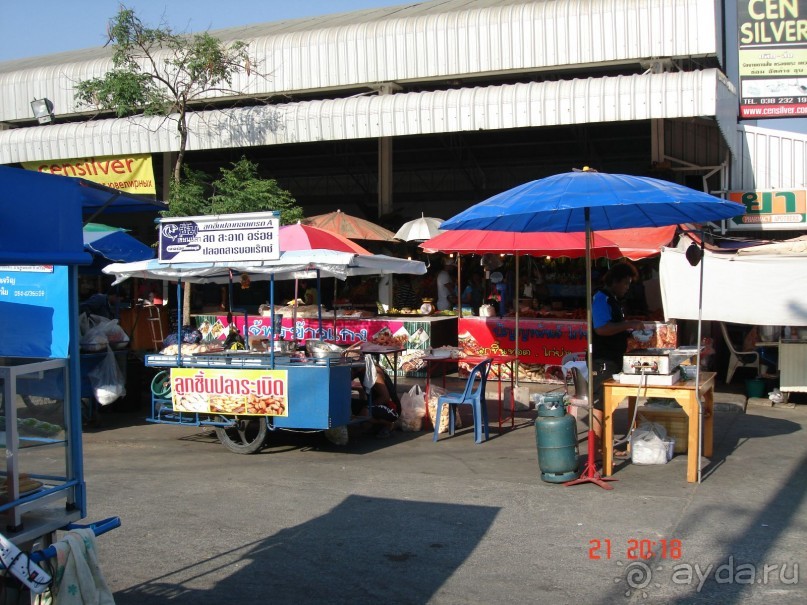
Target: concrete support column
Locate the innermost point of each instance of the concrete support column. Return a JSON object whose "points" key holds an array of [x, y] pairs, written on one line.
{"points": [[384, 175], [656, 141]]}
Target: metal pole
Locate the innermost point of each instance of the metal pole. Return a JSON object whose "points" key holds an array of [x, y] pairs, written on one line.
{"points": [[698, 360]]}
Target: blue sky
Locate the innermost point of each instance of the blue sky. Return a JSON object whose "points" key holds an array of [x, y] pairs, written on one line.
{"points": [[42, 27]]}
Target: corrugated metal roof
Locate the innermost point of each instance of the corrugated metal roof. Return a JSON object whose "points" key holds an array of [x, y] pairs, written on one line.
{"points": [[425, 41], [638, 97], [769, 159]]}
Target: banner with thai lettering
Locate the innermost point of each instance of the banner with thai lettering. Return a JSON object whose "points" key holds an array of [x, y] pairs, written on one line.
{"points": [[242, 392], [129, 173], [346, 331], [772, 58], [542, 344], [770, 210], [245, 237], [34, 311]]}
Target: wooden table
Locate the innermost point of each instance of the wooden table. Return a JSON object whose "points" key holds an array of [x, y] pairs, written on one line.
{"points": [[684, 393], [498, 360]]}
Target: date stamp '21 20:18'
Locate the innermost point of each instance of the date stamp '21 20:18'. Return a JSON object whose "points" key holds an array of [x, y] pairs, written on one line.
{"points": [[635, 549]]}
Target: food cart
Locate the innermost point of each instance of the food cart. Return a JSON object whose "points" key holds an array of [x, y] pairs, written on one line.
{"points": [[43, 487], [246, 394]]}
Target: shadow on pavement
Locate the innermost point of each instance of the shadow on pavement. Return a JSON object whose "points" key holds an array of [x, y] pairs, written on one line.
{"points": [[364, 550]]}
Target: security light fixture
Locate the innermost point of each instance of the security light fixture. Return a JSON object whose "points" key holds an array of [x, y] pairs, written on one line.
{"points": [[43, 110]]}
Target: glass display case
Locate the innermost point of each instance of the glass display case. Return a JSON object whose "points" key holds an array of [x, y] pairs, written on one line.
{"points": [[40, 479]]}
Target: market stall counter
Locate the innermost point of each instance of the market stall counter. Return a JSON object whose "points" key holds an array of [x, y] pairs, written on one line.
{"points": [[417, 334], [543, 342]]}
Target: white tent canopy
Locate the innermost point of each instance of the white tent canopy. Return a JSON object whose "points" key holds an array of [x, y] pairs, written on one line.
{"points": [[747, 289], [299, 264]]}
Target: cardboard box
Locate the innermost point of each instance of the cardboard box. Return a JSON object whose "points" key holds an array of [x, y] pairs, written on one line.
{"points": [[674, 421]]}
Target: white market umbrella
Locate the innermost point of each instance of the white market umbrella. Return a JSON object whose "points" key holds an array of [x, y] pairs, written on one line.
{"points": [[419, 229]]}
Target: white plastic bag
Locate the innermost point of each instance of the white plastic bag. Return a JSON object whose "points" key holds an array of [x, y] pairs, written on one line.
{"points": [[648, 444], [108, 383], [101, 332], [413, 409]]}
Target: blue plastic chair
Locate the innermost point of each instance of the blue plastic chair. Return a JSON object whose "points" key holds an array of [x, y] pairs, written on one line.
{"points": [[475, 397]]}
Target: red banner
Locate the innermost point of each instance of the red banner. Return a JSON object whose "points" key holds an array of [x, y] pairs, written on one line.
{"points": [[542, 343]]}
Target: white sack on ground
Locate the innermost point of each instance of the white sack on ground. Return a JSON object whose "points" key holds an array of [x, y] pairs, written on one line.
{"points": [[756, 290]]}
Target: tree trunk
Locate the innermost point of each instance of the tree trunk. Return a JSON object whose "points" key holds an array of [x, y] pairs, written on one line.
{"points": [[182, 127]]}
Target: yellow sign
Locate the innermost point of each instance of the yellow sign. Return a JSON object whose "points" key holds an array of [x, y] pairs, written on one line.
{"points": [[130, 174], [242, 392]]}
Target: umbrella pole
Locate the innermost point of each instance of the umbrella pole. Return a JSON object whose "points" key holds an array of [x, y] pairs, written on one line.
{"points": [[698, 360], [516, 304], [319, 308], [590, 473]]}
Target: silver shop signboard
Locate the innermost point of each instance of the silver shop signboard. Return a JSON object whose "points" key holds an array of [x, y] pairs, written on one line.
{"points": [[220, 238]]}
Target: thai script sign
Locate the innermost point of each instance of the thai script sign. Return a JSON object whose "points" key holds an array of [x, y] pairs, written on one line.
{"points": [[34, 311], [770, 210], [248, 237], [772, 58], [130, 173], [242, 392]]}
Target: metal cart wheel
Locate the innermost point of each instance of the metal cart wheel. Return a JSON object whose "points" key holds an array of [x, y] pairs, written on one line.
{"points": [[41, 405], [248, 436]]}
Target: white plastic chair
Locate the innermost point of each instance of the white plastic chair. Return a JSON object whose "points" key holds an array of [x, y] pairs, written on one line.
{"points": [[738, 359]]}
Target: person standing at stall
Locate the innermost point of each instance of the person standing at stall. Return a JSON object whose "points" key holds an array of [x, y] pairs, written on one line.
{"points": [[405, 296], [103, 304], [474, 292], [611, 330], [446, 288]]}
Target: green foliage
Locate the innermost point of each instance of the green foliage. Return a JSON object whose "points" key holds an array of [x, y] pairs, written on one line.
{"points": [[188, 197], [125, 93], [239, 189]]}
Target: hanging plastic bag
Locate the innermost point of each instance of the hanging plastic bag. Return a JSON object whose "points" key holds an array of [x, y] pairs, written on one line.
{"points": [[108, 383], [649, 444], [413, 409]]}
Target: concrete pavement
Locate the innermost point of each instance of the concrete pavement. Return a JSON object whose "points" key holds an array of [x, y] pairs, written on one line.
{"points": [[405, 520]]}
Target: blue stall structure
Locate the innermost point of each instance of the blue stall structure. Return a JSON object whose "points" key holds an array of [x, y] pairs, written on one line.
{"points": [[41, 249]]}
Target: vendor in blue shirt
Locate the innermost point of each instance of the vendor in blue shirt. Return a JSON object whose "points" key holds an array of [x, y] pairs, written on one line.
{"points": [[611, 331]]}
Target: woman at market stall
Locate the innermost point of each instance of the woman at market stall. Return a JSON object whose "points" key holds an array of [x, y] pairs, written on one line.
{"points": [[611, 330]]}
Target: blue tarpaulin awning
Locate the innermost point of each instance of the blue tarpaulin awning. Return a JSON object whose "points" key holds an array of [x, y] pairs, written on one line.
{"points": [[49, 231]]}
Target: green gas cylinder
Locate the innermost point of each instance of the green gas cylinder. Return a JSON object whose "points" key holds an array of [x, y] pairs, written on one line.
{"points": [[556, 440]]}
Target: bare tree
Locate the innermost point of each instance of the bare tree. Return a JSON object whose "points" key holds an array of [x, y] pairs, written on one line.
{"points": [[159, 72]]}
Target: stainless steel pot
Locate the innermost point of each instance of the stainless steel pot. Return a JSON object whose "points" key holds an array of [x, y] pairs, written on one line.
{"points": [[323, 350]]}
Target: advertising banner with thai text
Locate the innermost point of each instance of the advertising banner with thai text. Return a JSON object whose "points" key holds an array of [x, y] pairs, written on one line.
{"points": [[34, 311], [770, 210], [242, 392], [130, 173], [772, 58], [247, 237]]}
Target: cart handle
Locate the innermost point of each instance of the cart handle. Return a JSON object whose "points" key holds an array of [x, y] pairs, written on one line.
{"points": [[98, 528]]}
